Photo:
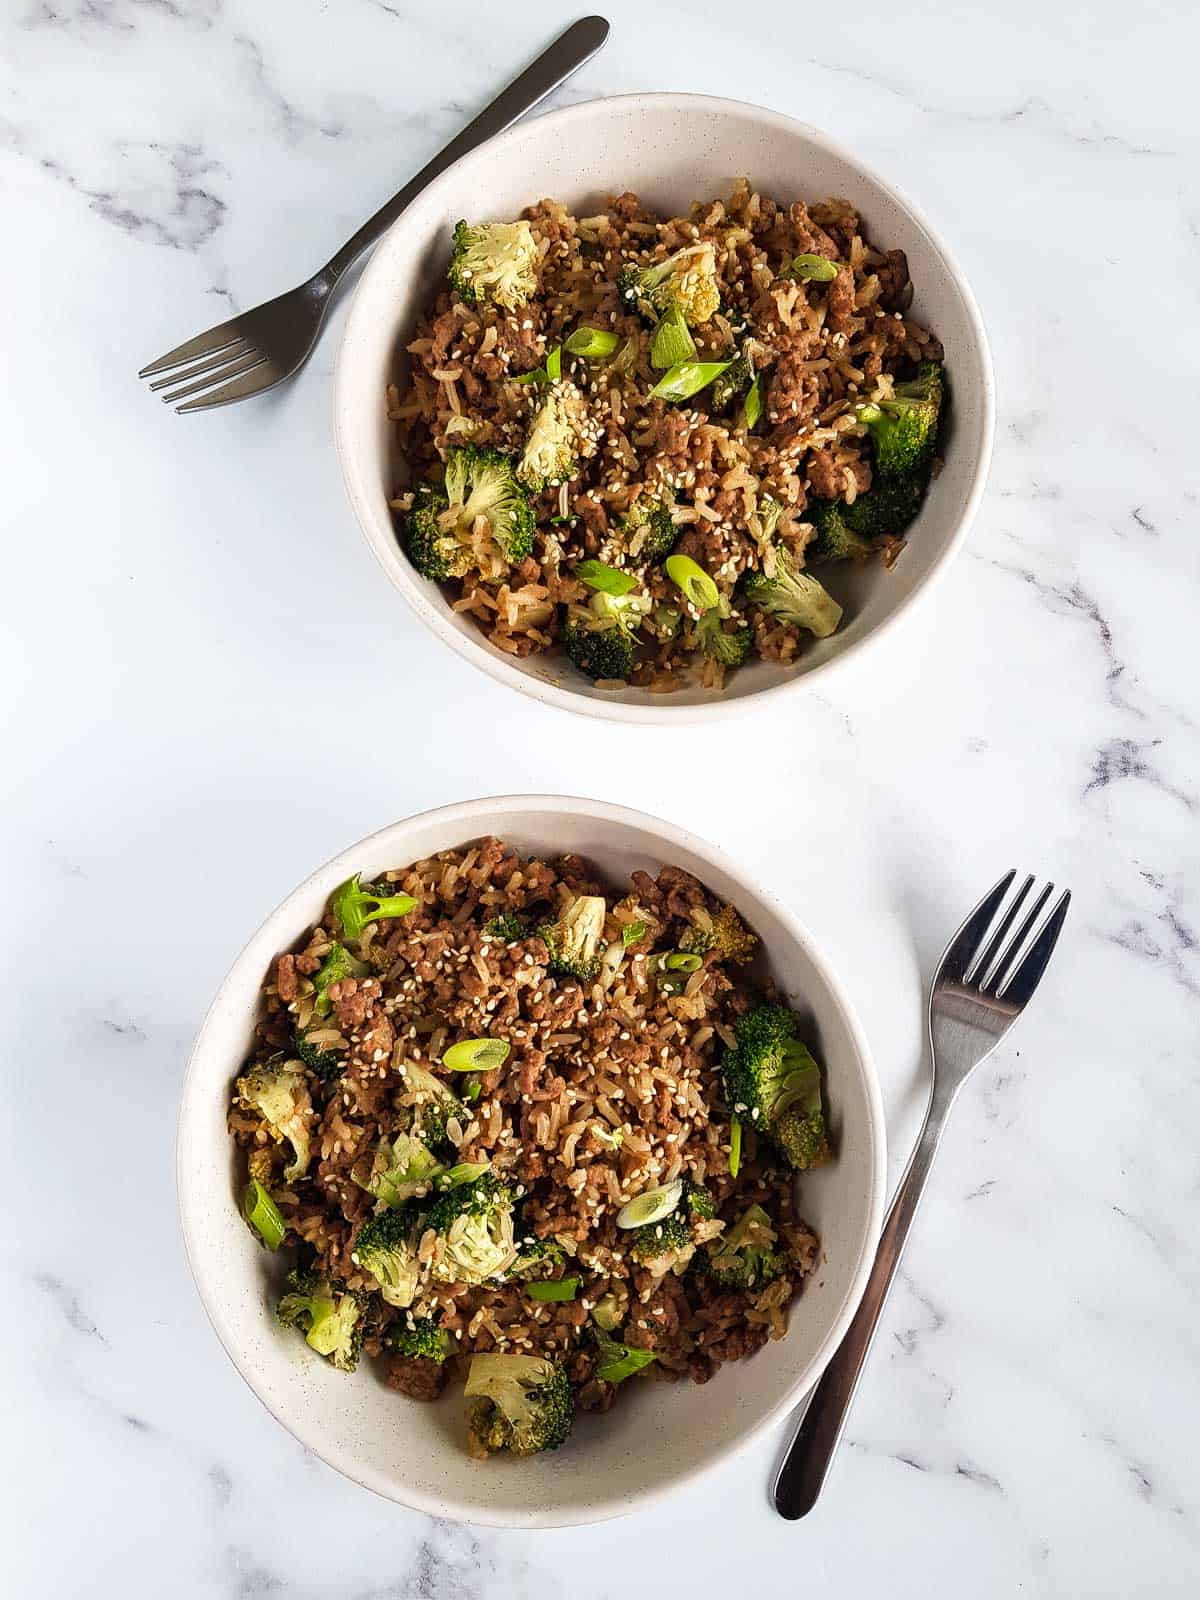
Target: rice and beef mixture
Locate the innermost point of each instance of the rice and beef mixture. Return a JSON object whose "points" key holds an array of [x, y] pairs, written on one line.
{"points": [[526, 1132], [649, 440]]}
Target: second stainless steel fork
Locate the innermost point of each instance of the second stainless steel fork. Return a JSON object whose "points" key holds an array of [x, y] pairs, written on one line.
{"points": [[982, 984]]}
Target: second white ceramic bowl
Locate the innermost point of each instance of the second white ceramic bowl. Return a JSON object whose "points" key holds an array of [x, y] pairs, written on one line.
{"points": [[670, 149], [654, 1440]]}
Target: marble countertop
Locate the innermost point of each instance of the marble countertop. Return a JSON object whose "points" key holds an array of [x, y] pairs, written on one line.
{"points": [[210, 687]]}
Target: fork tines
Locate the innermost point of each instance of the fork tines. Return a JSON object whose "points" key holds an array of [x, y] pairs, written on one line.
{"points": [[233, 368], [987, 957]]}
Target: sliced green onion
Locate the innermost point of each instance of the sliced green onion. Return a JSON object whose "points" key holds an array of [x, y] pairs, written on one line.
{"points": [[593, 344], [811, 269], [687, 378], [696, 585], [735, 1146], [633, 933], [553, 1289], [672, 342], [476, 1055], [621, 1361], [551, 372], [652, 1205], [606, 580], [473, 1090], [682, 961], [752, 405], [263, 1215], [464, 1172]]}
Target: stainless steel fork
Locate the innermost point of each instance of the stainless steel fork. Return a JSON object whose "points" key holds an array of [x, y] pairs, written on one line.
{"points": [[982, 984], [259, 348]]}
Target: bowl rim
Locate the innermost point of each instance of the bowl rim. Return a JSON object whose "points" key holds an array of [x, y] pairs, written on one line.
{"points": [[471, 814], [660, 712]]}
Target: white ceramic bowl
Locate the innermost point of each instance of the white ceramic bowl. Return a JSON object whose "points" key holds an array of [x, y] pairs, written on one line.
{"points": [[654, 1440], [670, 149]]}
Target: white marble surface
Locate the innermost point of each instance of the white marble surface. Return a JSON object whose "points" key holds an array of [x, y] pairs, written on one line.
{"points": [[211, 688]]}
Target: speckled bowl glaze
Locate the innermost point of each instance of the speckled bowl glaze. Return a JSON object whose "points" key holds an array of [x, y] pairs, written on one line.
{"points": [[670, 149], [653, 1441]]}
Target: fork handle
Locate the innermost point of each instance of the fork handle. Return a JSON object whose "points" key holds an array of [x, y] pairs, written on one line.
{"points": [[566, 55], [807, 1462]]}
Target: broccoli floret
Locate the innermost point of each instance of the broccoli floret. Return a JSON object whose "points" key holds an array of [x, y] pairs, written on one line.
{"points": [[539, 1258], [278, 1091], [600, 652], [505, 927], [655, 1240], [474, 1224], [904, 428], [520, 1404], [794, 596], [648, 531], [698, 1201], [401, 1167], [727, 389], [552, 450], [835, 539], [386, 1248], [771, 1077], [729, 649], [494, 261], [573, 942], [337, 965], [329, 1318], [484, 483], [687, 279], [431, 538], [425, 1338], [728, 936], [355, 904], [889, 508], [599, 639], [798, 1122], [744, 1256], [324, 1064], [436, 1106]]}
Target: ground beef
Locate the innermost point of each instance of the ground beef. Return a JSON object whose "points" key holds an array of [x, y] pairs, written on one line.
{"points": [[419, 1377]]}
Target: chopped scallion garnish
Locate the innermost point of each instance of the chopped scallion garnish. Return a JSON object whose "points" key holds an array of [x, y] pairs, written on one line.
{"points": [[605, 580], [621, 1361], [682, 961], [811, 269], [752, 405], [735, 1146], [633, 933], [553, 1289], [551, 372], [593, 344], [652, 1205], [263, 1215], [672, 342], [687, 378], [695, 584], [476, 1055]]}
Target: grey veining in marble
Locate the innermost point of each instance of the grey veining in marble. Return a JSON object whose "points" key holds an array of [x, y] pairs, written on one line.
{"points": [[189, 610]]}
